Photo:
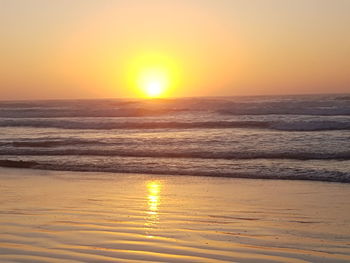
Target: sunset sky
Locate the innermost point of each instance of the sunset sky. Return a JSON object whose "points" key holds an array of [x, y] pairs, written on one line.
{"points": [[109, 49]]}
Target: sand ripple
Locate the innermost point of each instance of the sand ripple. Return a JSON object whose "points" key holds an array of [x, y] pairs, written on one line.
{"points": [[74, 217]]}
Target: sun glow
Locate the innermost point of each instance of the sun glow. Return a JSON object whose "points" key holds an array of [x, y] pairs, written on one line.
{"points": [[154, 88], [153, 75], [153, 82]]}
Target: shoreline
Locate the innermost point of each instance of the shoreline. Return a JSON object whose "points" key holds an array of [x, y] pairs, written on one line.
{"points": [[28, 165]]}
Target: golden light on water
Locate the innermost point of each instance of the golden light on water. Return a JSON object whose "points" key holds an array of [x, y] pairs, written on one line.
{"points": [[153, 196], [153, 202]]}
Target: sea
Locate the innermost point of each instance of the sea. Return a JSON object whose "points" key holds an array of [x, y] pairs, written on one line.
{"points": [[304, 137]]}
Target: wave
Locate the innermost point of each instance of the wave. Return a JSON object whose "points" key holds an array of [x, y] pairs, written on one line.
{"points": [[53, 143], [18, 113], [179, 154], [18, 164], [267, 105], [310, 125], [96, 125], [319, 125], [280, 110], [346, 98], [340, 177], [299, 174]]}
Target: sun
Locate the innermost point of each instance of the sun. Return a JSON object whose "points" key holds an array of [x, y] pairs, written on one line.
{"points": [[153, 75], [153, 82], [154, 89]]}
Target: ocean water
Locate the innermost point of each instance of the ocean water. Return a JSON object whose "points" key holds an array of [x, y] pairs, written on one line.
{"points": [[278, 137]]}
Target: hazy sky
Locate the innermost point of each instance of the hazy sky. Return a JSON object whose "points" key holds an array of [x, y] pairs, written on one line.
{"points": [[89, 49]]}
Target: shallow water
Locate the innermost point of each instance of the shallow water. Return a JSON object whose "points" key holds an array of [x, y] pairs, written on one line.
{"points": [[49, 216]]}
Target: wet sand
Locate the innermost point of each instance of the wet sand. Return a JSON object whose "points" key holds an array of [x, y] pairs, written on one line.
{"points": [[51, 216]]}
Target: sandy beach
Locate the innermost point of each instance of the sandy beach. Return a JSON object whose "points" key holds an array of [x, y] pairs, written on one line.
{"points": [[49, 216]]}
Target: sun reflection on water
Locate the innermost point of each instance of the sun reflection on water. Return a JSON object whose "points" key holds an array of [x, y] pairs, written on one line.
{"points": [[153, 202]]}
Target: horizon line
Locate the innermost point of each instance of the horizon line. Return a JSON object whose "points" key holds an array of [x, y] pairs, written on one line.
{"points": [[172, 98]]}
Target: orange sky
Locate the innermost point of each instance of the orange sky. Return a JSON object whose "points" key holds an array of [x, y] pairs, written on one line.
{"points": [[93, 49]]}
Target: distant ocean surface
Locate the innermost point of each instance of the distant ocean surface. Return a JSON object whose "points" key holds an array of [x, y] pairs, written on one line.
{"points": [[279, 137]]}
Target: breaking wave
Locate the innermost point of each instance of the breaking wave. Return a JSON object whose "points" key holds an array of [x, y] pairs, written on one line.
{"points": [[281, 173], [290, 137], [176, 153], [111, 125]]}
